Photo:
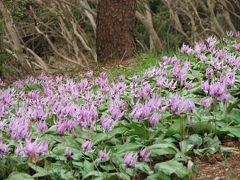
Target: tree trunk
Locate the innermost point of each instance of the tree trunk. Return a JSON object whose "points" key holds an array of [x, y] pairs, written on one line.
{"points": [[115, 19]]}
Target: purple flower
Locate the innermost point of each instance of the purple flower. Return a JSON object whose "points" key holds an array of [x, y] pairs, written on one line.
{"points": [[140, 111], [205, 86], [31, 148], [130, 159], [230, 33], [180, 105], [221, 53], [144, 154], [154, 119], [68, 154], [19, 128], [144, 90], [200, 47], [20, 151], [216, 89], [236, 46], [165, 59], [35, 147], [121, 78], [188, 84], [211, 42], [61, 126], [104, 155], [207, 102], [87, 146], [225, 97], [3, 150], [42, 126], [180, 71], [89, 74], [186, 49], [118, 88], [202, 57], [228, 79], [107, 123], [209, 73]]}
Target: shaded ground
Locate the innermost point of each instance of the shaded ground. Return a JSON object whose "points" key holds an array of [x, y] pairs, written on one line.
{"points": [[219, 166]]}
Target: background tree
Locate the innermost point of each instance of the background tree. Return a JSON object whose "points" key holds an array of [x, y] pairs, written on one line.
{"points": [[60, 35], [115, 20]]}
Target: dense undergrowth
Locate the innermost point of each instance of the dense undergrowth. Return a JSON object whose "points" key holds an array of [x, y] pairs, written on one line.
{"points": [[143, 126]]}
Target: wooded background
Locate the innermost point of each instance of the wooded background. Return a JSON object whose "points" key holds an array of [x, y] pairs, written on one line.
{"points": [[50, 35]]}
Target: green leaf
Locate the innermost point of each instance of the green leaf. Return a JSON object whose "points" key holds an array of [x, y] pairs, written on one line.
{"points": [[232, 130], [50, 121], [144, 167], [118, 175], [40, 172], [93, 174], [137, 130], [117, 130], [128, 147], [88, 167], [99, 137], [195, 139], [33, 87], [233, 105], [162, 149], [186, 146], [175, 128], [200, 151], [172, 167], [158, 176], [19, 176], [66, 175]]}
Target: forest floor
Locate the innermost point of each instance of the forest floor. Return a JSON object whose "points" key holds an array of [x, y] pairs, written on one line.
{"points": [[219, 166]]}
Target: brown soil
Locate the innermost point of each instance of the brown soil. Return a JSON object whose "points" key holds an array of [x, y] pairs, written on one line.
{"points": [[219, 166]]}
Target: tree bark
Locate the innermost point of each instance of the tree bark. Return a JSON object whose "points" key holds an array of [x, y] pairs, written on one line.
{"points": [[115, 19]]}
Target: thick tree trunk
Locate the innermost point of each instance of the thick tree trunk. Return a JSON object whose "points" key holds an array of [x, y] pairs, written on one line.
{"points": [[115, 19]]}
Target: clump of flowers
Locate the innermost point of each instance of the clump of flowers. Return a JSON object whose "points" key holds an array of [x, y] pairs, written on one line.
{"points": [[107, 113]]}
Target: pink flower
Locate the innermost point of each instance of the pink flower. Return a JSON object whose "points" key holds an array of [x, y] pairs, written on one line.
{"points": [[207, 102], [121, 78], [154, 119], [3, 150], [209, 73], [144, 154], [130, 159], [186, 49], [236, 46], [87, 146], [68, 154], [89, 74], [35, 147], [42, 126], [205, 86], [107, 123], [104, 155]]}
